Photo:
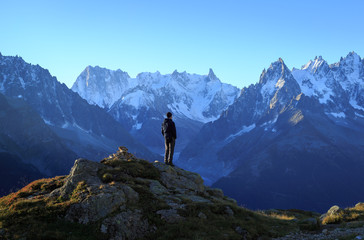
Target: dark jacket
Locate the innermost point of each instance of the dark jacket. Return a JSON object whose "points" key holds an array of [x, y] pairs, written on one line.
{"points": [[169, 129]]}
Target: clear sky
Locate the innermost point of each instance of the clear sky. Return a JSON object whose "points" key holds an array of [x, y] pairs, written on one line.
{"points": [[236, 38]]}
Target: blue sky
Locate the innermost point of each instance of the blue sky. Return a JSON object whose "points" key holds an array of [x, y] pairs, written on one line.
{"points": [[237, 39]]}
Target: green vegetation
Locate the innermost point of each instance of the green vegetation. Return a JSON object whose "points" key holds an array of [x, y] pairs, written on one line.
{"points": [[220, 225], [127, 170], [30, 213]]}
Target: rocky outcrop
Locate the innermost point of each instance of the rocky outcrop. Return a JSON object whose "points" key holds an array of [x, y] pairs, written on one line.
{"points": [[118, 190]]}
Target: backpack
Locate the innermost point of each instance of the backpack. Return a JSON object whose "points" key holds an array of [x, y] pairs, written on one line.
{"points": [[167, 129]]}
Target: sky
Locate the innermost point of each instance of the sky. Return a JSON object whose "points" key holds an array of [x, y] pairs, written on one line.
{"points": [[236, 38]]}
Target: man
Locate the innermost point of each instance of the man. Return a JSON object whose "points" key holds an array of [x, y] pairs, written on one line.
{"points": [[170, 135]]}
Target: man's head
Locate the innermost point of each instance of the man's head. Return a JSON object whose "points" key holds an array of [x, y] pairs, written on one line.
{"points": [[169, 115]]}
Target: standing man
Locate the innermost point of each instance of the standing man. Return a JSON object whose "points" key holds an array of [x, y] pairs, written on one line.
{"points": [[170, 135]]}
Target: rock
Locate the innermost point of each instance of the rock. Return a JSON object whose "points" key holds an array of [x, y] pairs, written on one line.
{"points": [[359, 205], [238, 230], [126, 225], [202, 215], [95, 207], [325, 231], [193, 198], [228, 211], [103, 228], [83, 170], [215, 192], [179, 179], [334, 210], [244, 233], [170, 215], [156, 188]]}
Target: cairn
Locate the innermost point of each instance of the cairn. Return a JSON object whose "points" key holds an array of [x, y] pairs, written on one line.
{"points": [[121, 154]]}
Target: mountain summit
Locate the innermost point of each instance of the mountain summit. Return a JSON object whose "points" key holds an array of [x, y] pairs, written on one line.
{"points": [[140, 103], [290, 139]]}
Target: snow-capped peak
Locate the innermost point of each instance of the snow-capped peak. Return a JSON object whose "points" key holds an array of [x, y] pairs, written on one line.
{"points": [[193, 96], [315, 65]]}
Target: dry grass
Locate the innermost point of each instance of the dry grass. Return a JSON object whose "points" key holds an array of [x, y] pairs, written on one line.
{"points": [[333, 219], [275, 215]]}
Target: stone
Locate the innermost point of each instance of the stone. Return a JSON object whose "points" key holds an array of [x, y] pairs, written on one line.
{"points": [[244, 233], [334, 210], [193, 198], [177, 178], [228, 211], [170, 215], [360, 205], [156, 188], [95, 207], [127, 225], [103, 228], [202, 215], [325, 231], [83, 170], [215, 192]]}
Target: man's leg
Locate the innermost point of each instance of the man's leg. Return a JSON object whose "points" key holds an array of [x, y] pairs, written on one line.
{"points": [[171, 151], [167, 151]]}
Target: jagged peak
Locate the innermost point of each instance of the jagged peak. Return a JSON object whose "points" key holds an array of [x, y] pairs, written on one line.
{"points": [[314, 65], [211, 74], [276, 68], [177, 74], [352, 56]]}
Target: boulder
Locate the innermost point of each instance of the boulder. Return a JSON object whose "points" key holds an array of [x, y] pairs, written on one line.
{"points": [[179, 179], [129, 224]]}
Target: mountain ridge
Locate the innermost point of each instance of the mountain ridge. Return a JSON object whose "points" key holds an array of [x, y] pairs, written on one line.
{"points": [[318, 108], [140, 103]]}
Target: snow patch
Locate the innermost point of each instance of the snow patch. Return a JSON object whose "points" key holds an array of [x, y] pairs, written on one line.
{"points": [[338, 115], [48, 122], [138, 126], [245, 129], [312, 86], [21, 80], [355, 105], [359, 115]]}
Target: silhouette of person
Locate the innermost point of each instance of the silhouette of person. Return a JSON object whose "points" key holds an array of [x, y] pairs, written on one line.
{"points": [[170, 136]]}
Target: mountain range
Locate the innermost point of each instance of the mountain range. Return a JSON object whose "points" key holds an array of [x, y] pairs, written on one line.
{"points": [[292, 138], [47, 125], [140, 103]]}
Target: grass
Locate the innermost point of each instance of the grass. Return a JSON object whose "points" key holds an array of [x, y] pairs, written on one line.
{"points": [[277, 215], [346, 215], [30, 214], [218, 225], [126, 171]]}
